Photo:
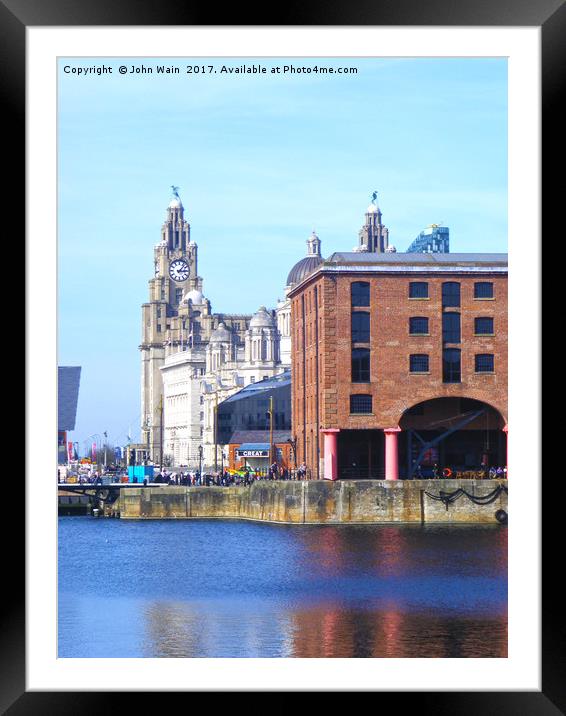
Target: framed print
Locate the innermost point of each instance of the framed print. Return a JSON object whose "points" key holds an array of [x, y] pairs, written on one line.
{"points": [[247, 127]]}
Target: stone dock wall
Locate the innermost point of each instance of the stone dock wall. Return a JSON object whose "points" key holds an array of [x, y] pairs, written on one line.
{"points": [[319, 502]]}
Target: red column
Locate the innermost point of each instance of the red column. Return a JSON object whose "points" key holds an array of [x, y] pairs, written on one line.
{"points": [[391, 453], [505, 429], [330, 453]]}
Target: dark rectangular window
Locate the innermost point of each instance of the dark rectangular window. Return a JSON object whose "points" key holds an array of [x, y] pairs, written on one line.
{"points": [[450, 294], [360, 404], [360, 365], [360, 327], [484, 363], [483, 326], [418, 325], [451, 365], [483, 289], [451, 327], [418, 289], [360, 293], [418, 363]]}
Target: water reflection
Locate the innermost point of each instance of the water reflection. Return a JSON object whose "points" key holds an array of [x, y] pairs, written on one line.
{"points": [[240, 589], [183, 630]]}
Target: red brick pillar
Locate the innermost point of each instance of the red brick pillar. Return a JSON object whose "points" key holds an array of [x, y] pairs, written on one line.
{"points": [[391, 453], [330, 453], [506, 449]]}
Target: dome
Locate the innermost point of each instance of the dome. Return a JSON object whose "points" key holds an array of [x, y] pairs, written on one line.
{"points": [[262, 319], [195, 296], [175, 203], [303, 268], [372, 209], [220, 334]]}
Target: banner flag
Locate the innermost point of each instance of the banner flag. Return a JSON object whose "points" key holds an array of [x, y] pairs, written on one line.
{"points": [[93, 452], [70, 451]]}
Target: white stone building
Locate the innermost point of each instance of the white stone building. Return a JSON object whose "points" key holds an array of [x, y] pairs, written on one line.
{"points": [[192, 358]]}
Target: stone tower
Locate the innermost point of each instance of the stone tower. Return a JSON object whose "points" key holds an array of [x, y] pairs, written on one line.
{"points": [[175, 274], [374, 236]]}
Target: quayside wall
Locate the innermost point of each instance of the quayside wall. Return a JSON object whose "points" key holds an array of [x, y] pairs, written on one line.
{"points": [[324, 502]]}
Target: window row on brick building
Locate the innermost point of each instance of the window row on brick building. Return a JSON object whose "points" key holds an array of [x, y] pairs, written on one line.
{"points": [[419, 326], [419, 363], [360, 292]]}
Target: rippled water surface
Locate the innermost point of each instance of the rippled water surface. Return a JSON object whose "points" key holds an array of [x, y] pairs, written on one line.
{"points": [[244, 589]]}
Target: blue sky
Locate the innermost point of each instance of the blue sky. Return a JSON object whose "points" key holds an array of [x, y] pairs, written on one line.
{"points": [[260, 160]]}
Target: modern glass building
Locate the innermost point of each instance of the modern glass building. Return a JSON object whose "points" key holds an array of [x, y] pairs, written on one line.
{"points": [[68, 382], [435, 239], [248, 408]]}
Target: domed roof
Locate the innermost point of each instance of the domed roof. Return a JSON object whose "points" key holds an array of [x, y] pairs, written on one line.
{"points": [[262, 319], [308, 264], [372, 208], [195, 296], [303, 268], [175, 203], [220, 334]]}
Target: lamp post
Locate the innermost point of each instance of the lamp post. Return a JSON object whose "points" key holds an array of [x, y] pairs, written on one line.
{"points": [[200, 462], [99, 438], [105, 445], [160, 408], [270, 413], [216, 432]]}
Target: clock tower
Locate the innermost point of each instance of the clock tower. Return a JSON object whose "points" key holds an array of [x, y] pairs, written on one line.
{"points": [[175, 274]]}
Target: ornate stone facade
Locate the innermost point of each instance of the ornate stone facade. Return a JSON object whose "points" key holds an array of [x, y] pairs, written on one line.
{"points": [[192, 358]]}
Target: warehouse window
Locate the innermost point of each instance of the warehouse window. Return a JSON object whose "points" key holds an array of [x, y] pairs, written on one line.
{"points": [[360, 327], [418, 363], [360, 365], [451, 327], [451, 365], [418, 289], [483, 289], [484, 363], [418, 326], [450, 294], [360, 404], [483, 326], [360, 293]]}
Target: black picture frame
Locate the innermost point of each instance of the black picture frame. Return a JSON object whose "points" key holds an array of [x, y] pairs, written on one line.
{"points": [[15, 17]]}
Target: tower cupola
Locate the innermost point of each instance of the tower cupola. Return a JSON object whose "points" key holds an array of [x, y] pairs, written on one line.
{"points": [[176, 232], [373, 236]]}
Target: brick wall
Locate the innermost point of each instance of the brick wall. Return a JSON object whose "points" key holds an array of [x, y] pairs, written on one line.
{"points": [[321, 351]]}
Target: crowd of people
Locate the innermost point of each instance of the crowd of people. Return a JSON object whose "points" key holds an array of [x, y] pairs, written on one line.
{"points": [[438, 472], [246, 476], [225, 478]]}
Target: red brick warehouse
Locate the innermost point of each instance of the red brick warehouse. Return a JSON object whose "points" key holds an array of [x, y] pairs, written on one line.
{"points": [[399, 364]]}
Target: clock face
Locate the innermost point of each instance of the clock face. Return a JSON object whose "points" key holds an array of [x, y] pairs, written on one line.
{"points": [[179, 270]]}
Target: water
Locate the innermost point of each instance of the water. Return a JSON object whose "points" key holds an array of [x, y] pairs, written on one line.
{"points": [[207, 588]]}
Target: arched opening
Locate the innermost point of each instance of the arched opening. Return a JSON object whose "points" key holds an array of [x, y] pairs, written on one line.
{"points": [[451, 437]]}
